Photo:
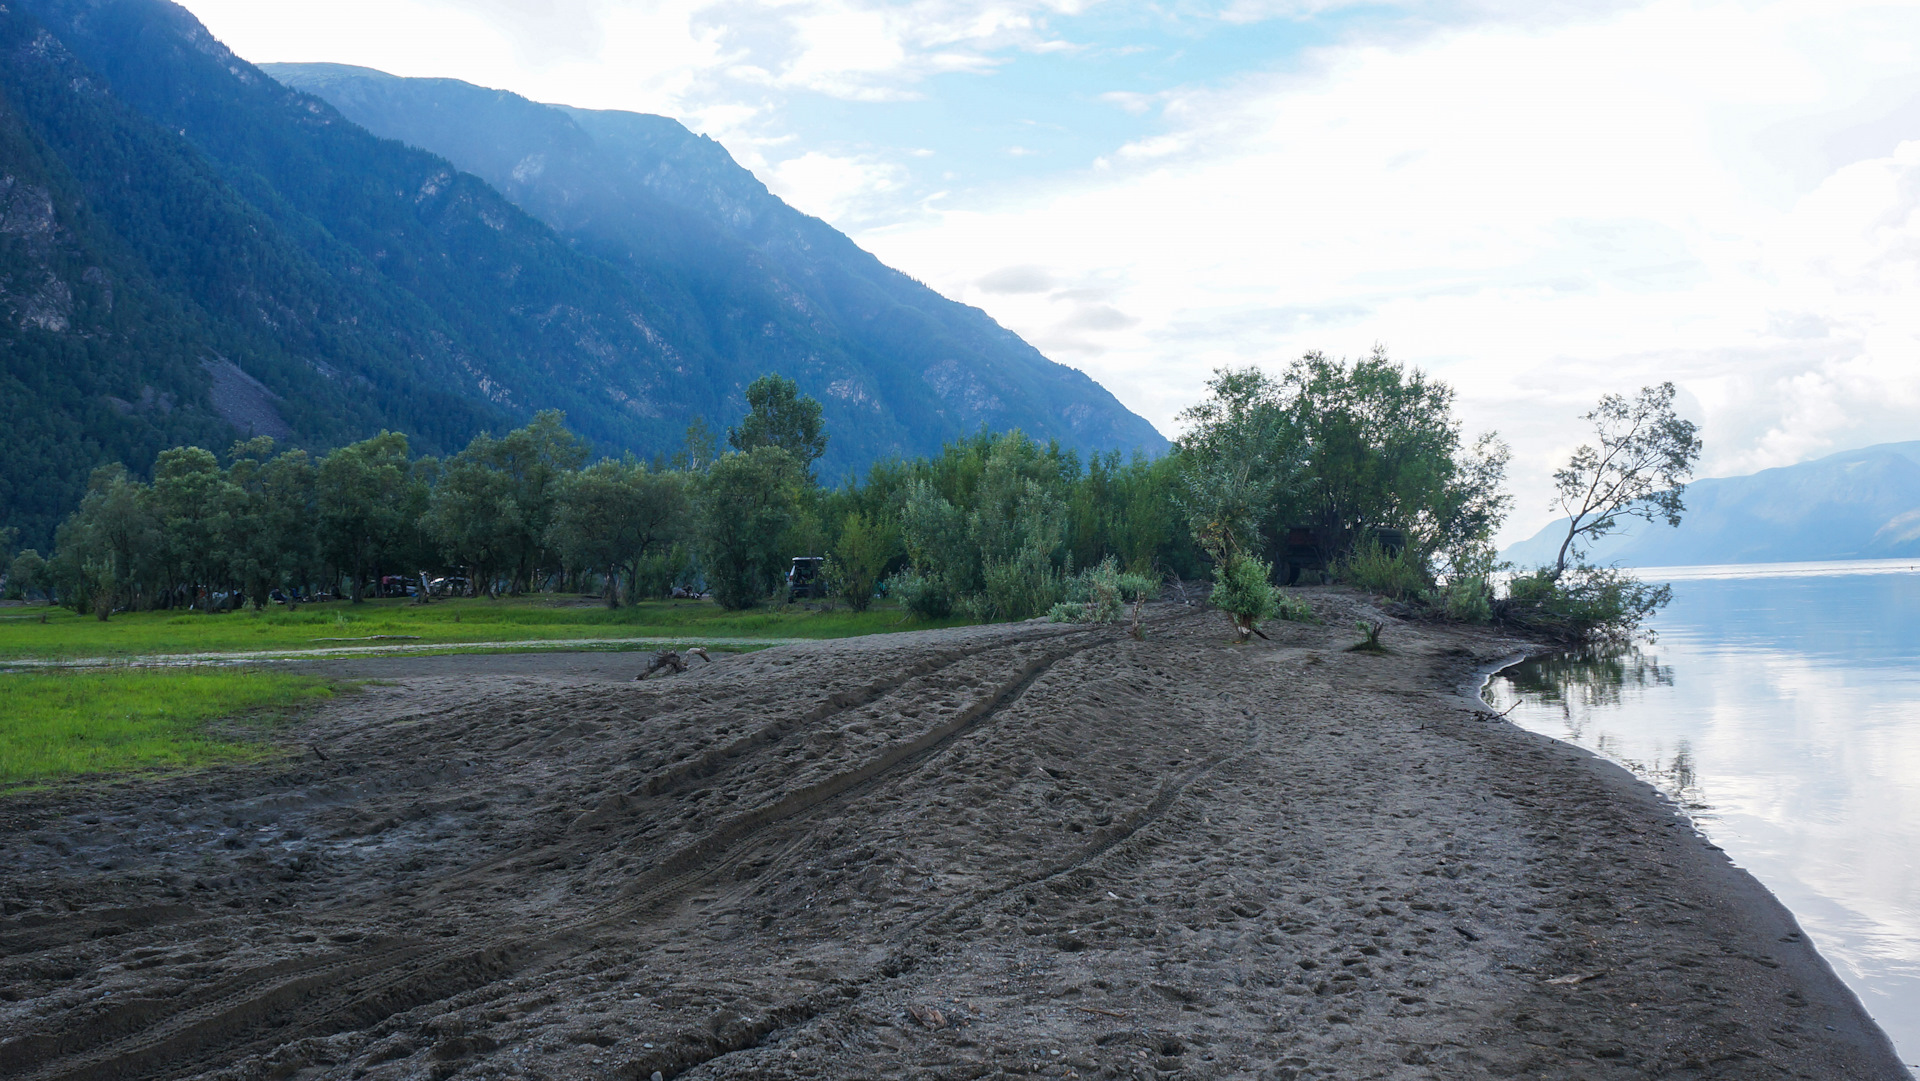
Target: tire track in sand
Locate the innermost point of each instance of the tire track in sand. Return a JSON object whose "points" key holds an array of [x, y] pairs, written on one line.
{"points": [[905, 953], [338, 993]]}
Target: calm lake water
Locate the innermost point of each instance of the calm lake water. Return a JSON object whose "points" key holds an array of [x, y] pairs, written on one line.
{"points": [[1780, 706]]}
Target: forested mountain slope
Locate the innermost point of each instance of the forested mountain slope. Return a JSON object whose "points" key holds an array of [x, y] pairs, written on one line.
{"points": [[191, 251], [772, 287], [1858, 504]]}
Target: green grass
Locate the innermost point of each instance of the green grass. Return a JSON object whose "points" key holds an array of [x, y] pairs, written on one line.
{"points": [[447, 622], [64, 724]]}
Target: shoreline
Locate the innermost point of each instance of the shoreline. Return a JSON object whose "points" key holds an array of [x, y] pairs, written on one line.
{"points": [[1025, 849], [1750, 913]]}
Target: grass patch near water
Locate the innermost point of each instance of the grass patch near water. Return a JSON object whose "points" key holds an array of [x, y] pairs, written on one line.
{"points": [[446, 622], [64, 724]]}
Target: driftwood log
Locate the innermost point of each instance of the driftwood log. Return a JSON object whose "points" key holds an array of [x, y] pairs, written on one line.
{"points": [[672, 660]]}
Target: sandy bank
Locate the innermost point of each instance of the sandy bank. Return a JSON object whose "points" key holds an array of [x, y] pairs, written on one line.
{"points": [[1024, 850]]}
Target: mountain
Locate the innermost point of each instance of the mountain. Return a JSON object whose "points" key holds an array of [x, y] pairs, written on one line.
{"points": [[769, 287], [1858, 504], [192, 251]]}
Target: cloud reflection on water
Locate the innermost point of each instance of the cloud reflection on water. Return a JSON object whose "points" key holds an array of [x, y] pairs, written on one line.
{"points": [[1783, 712]]}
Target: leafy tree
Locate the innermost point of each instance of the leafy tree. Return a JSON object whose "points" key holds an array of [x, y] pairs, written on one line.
{"points": [[369, 502], [473, 517], [195, 504], [272, 531], [1639, 470], [613, 515], [27, 573], [107, 547], [1341, 447], [778, 415], [861, 556], [536, 458], [745, 506], [1383, 448]]}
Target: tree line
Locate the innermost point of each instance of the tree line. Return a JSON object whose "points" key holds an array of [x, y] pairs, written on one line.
{"points": [[996, 526]]}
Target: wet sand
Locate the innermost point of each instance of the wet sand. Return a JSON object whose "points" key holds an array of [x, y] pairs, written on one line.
{"points": [[1024, 850]]}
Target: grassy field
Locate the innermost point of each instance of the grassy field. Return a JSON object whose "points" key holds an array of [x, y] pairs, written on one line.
{"points": [[63, 724], [449, 622]]}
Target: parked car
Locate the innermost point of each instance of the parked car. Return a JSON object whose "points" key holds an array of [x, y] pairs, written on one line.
{"points": [[804, 578]]}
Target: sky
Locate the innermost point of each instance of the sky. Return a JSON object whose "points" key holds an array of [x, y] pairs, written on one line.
{"points": [[1537, 202]]}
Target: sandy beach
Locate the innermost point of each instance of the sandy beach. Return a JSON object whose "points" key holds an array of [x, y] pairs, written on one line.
{"points": [[1022, 850]]}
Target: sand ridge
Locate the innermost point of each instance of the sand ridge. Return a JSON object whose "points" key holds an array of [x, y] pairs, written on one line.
{"points": [[1032, 850]]}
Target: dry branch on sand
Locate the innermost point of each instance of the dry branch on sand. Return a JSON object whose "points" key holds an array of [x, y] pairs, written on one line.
{"points": [[671, 660]]}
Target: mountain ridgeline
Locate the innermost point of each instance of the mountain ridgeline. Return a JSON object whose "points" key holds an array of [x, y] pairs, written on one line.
{"points": [[1858, 504], [192, 251]]}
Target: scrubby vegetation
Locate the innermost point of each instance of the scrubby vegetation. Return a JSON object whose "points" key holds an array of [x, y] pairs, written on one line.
{"points": [[1354, 471]]}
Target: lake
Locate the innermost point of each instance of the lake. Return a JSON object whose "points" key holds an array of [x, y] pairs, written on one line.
{"points": [[1780, 707]]}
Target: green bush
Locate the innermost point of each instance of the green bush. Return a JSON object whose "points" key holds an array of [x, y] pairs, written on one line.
{"points": [[1243, 591], [1101, 594], [924, 595], [1398, 575], [1466, 599], [1585, 604], [1021, 587], [866, 546]]}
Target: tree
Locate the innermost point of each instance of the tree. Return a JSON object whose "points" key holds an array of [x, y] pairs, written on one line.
{"points": [[472, 515], [865, 548], [1639, 470], [27, 573], [285, 547], [369, 502], [778, 415], [107, 548], [745, 507], [195, 504], [614, 514], [535, 459], [1341, 447]]}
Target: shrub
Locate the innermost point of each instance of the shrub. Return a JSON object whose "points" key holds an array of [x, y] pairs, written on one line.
{"points": [[924, 595], [1242, 590], [1021, 587], [866, 547], [1585, 604], [1101, 594], [1398, 575]]}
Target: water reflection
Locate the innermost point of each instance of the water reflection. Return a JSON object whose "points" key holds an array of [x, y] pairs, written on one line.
{"points": [[1784, 714]]}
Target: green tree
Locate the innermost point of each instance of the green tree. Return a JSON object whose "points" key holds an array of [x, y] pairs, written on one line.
{"points": [[1639, 470], [369, 501], [473, 516], [285, 547], [1340, 447], [106, 549], [614, 515], [28, 573], [778, 415], [536, 459], [1383, 448], [861, 555], [745, 506], [196, 504]]}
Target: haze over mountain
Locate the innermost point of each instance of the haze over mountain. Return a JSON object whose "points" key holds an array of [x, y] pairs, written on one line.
{"points": [[191, 251], [1858, 504]]}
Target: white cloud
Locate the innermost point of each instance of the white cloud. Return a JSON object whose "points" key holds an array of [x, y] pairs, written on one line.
{"points": [[1539, 215], [833, 187]]}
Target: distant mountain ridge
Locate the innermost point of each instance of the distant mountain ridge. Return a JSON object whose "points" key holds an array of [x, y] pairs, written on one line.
{"points": [[674, 210], [1857, 504], [191, 251]]}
